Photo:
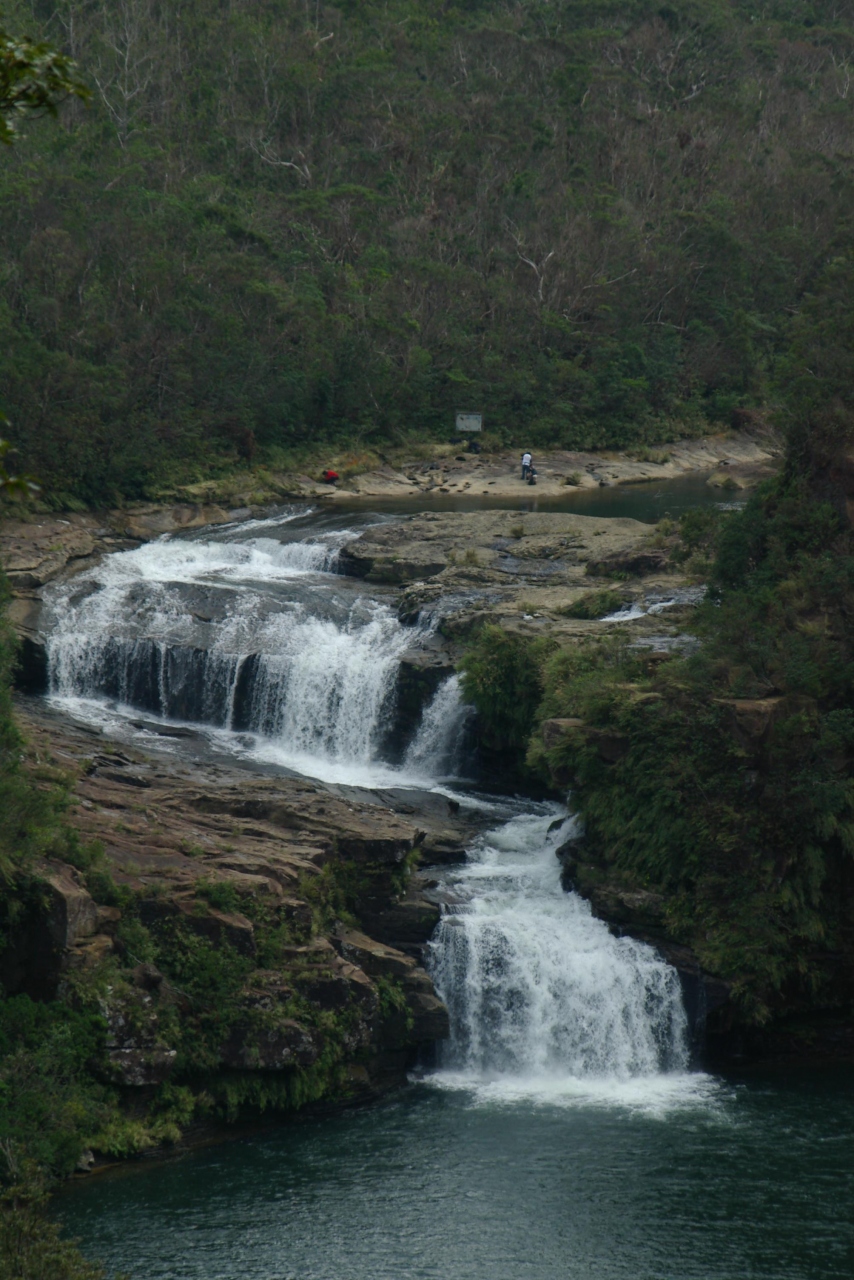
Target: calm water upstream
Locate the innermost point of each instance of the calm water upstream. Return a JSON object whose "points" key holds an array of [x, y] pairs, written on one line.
{"points": [[563, 1134]]}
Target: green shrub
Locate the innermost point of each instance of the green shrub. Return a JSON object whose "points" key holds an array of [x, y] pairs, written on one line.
{"points": [[595, 604], [50, 1103], [32, 1248], [501, 677]]}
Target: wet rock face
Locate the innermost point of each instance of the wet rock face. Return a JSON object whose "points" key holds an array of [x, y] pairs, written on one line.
{"points": [[71, 912], [270, 1048], [424, 1018], [420, 673]]}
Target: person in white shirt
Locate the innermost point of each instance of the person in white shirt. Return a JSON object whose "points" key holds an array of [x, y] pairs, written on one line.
{"points": [[527, 460]]}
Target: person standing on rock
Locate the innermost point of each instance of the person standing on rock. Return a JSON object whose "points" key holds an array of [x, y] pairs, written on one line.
{"points": [[527, 462]]}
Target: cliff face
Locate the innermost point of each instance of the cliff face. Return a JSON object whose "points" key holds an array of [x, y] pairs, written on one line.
{"points": [[213, 920]]}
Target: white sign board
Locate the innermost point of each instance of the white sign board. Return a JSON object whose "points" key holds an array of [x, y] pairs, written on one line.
{"points": [[469, 422]]}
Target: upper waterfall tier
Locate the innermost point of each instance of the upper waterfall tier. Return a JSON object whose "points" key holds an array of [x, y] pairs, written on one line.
{"points": [[248, 631]]}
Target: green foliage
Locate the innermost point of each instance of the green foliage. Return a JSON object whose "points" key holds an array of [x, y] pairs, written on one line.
{"points": [[393, 1001], [31, 826], [741, 812], [595, 604], [219, 893], [32, 1248], [12, 486], [34, 79], [50, 1103], [501, 677], [280, 230]]}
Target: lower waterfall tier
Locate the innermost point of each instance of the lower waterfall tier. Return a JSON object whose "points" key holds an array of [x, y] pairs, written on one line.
{"points": [[538, 990]]}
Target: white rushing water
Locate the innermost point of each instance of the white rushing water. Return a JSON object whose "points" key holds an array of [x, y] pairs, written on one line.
{"points": [[249, 633], [254, 638], [545, 1003], [437, 748]]}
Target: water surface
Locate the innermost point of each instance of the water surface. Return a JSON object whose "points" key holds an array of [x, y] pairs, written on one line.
{"points": [[647, 500], [740, 1179]]}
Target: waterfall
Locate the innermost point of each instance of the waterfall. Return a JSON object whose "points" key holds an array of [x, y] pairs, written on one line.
{"points": [[436, 749], [325, 688], [255, 636], [539, 991], [248, 635]]}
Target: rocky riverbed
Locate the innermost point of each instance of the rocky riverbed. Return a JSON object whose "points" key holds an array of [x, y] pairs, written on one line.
{"points": [[176, 838]]}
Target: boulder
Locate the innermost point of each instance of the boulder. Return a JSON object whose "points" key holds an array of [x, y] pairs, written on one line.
{"points": [[631, 563], [752, 719], [610, 745], [442, 849], [89, 953], [420, 672], [152, 522], [410, 921], [373, 958], [637, 909], [72, 912], [218, 927], [32, 553], [259, 1047], [430, 1017], [396, 567], [137, 1053]]}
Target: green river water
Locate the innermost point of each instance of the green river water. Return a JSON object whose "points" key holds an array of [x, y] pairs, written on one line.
{"points": [[750, 1178]]}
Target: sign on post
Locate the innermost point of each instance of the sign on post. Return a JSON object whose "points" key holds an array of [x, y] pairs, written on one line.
{"points": [[469, 422]]}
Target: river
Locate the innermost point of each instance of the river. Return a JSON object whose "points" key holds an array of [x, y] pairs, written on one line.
{"points": [[747, 1178], [564, 1130]]}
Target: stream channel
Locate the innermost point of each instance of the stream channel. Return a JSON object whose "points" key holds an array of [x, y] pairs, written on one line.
{"points": [[564, 1131]]}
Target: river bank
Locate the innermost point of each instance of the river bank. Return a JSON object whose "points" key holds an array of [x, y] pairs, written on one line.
{"points": [[36, 546], [261, 869]]}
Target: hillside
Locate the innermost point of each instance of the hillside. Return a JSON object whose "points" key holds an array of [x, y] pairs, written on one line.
{"points": [[284, 226]]}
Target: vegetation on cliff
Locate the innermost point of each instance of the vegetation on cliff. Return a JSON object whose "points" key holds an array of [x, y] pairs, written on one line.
{"points": [[283, 226], [210, 1004], [724, 779]]}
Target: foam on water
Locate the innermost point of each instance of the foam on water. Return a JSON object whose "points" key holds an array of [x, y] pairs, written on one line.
{"points": [[656, 604]]}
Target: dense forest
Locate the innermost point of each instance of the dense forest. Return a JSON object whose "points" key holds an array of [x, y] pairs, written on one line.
{"points": [[281, 226]]}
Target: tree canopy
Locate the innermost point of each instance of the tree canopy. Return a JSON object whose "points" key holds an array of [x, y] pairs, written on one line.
{"points": [[284, 224], [34, 79]]}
